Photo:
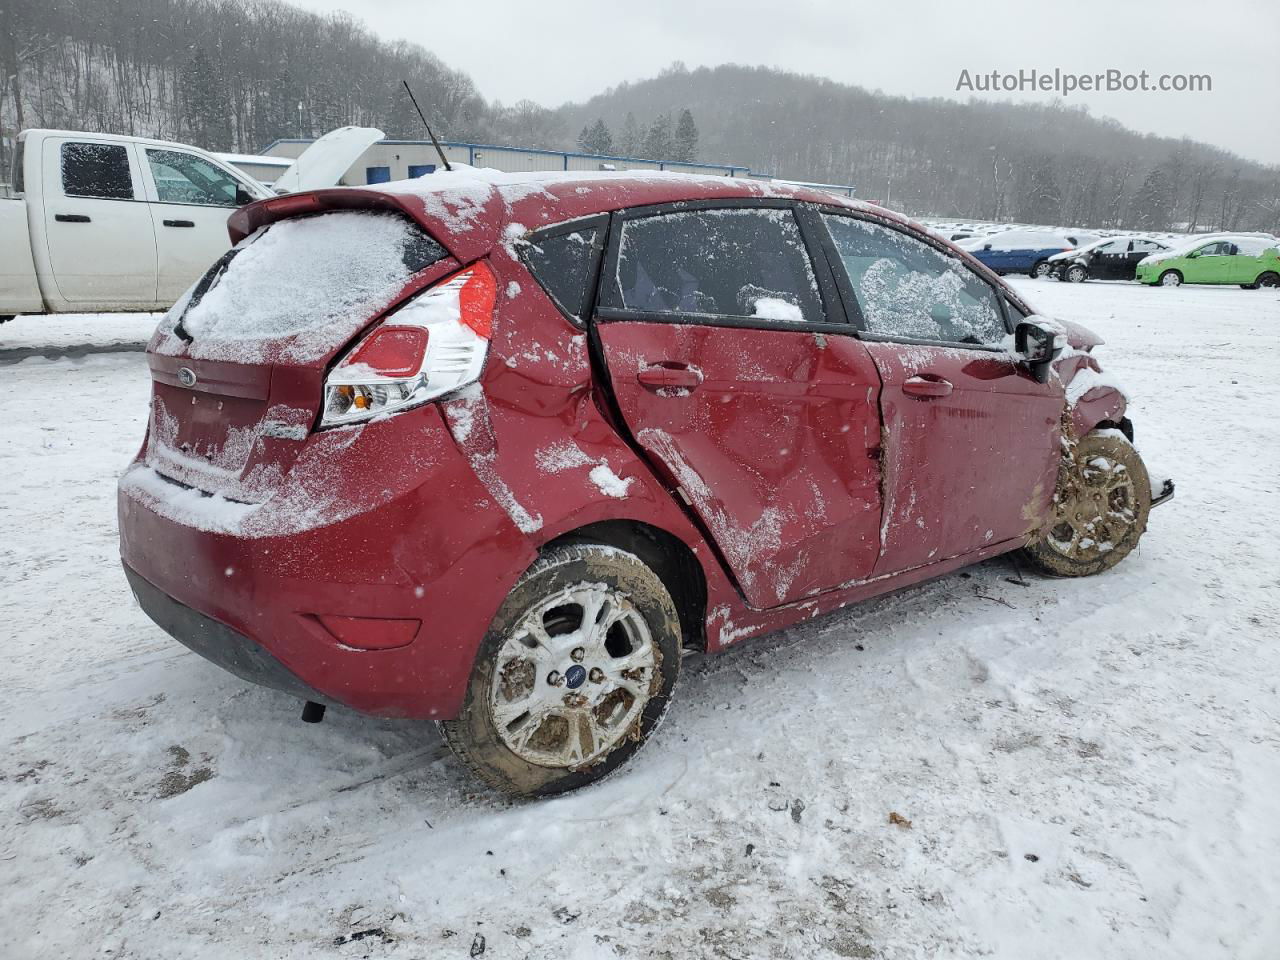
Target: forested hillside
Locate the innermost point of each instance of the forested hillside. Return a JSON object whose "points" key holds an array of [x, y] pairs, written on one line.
{"points": [[236, 74], [996, 161]]}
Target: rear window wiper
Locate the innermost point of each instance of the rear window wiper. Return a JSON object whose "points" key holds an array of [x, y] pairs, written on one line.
{"points": [[207, 282]]}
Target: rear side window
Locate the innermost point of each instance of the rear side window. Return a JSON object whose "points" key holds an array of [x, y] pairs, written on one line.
{"points": [[563, 265], [748, 262], [908, 289], [315, 279], [98, 170]]}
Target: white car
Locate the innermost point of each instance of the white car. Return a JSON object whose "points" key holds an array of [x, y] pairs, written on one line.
{"points": [[98, 222]]}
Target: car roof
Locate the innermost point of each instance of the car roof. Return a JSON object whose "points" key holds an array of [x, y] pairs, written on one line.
{"points": [[469, 210]]}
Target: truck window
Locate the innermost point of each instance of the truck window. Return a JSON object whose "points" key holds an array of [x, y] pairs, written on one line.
{"points": [[184, 178], [99, 170]]}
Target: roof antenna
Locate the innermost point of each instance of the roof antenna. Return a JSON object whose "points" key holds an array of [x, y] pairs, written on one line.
{"points": [[439, 149]]}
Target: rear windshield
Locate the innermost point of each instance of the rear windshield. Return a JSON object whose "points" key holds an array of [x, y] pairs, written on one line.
{"points": [[313, 281]]}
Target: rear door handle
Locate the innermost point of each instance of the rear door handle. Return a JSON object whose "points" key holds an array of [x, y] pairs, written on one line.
{"points": [[668, 375], [927, 387], [71, 218], [179, 223]]}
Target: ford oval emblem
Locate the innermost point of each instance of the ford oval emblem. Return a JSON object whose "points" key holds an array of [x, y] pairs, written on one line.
{"points": [[186, 376]]}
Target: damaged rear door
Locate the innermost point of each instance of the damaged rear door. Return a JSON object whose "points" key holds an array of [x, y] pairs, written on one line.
{"points": [[971, 441], [735, 373]]}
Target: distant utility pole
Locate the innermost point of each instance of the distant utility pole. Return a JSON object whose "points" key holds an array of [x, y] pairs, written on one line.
{"points": [[299, 119]]}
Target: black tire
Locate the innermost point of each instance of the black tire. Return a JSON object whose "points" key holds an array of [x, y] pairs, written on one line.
{"points": [[474, 735], [1248, 286], [1076, 274], [1092, 503], [1268, 280], [1170, 278], [1040, 269], [6, 317]]}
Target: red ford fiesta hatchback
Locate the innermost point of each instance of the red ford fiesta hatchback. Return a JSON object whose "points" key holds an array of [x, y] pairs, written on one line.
{"points": [[495, 449]]}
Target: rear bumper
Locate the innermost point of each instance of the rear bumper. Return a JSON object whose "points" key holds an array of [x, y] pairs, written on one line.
{"points": [[305, 611], [216, 642]]}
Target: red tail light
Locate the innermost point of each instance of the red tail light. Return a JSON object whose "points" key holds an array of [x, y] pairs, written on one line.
{"points": [[430, 347]]}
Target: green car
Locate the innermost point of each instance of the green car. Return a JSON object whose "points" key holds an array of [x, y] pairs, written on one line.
{"points": [[1251, 262]]}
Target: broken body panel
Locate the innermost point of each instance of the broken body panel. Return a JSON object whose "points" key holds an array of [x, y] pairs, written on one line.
{"points": [[801, 470]]}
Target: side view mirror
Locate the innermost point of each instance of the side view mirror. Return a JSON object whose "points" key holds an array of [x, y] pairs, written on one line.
{"points": [[987, 247], [1039, 346], [242, 196]]}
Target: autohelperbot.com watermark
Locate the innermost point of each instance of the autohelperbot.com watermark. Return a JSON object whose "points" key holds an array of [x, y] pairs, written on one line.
{"points": [[1064, 82]]}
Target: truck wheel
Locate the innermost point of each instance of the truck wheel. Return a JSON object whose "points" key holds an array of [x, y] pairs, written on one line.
{"points": [[1077, 274], [574, 674], [1170, 278], [1041, 269], [1269, 279], [1099, 509]]}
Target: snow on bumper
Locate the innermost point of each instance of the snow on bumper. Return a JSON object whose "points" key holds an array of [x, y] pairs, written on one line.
{"points": [[330, 601]]}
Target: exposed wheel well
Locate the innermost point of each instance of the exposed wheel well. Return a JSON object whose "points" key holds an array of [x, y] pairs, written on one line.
{"points": [[667, 556], [1125, 426]]}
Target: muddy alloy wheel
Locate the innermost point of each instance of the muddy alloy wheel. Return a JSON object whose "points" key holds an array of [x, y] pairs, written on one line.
{"points": [[1076, 273], [1100, 508], [574, 674], [1171, 278]]}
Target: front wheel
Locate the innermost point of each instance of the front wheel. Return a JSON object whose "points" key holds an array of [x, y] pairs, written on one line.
{"points": [[572, 677], [1269, 280], [1077, 274], [1041, 269], [1171, 278], [1099, 509]]}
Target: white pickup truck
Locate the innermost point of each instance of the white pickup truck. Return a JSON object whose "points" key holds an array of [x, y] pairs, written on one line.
{"points": [[97, 222]]}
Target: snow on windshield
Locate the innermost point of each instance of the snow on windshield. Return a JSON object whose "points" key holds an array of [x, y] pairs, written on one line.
{"points": [[316, 280]]}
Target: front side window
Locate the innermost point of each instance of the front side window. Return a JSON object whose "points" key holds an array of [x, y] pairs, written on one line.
{"points": [[184, 178], [908, 289], [96, 170], [740, 262]]}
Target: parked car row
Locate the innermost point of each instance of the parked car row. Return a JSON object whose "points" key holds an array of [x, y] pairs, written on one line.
{"points": [[1250, 261]]}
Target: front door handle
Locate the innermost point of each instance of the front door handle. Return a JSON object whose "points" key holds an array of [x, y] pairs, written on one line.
{"points": [[179, 223], [71, 218], [927, 387], [669, 375]]}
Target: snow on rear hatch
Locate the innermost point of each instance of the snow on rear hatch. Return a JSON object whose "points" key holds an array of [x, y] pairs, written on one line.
{"points": [[296, 290], [261, 324]]}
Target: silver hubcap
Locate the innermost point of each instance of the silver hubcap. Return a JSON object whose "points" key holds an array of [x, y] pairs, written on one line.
{"points": [[1170, 280], [574, 677], [1096, 514]]}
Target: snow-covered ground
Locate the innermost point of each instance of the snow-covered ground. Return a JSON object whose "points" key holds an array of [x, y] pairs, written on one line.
{"points": [[1077, 769]]}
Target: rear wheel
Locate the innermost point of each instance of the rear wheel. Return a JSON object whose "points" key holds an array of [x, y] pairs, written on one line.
{"points": [[1041, 269], [6, 317], [573, 676], [1171, 278], [1077, 273], [1269, 280], [1100, 508]]}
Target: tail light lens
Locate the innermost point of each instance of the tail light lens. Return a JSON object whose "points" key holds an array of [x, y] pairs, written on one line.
{"points": [[432, 346]]}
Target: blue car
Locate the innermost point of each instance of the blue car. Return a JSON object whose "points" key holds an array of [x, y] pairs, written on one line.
{"points": [[1023, 251]]}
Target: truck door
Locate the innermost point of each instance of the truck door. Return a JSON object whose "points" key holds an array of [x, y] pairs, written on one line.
{"points": [[190, 199], [97, 228]]}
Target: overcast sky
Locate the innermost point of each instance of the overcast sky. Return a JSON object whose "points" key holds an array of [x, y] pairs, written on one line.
{"points": [[558, 50]]}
